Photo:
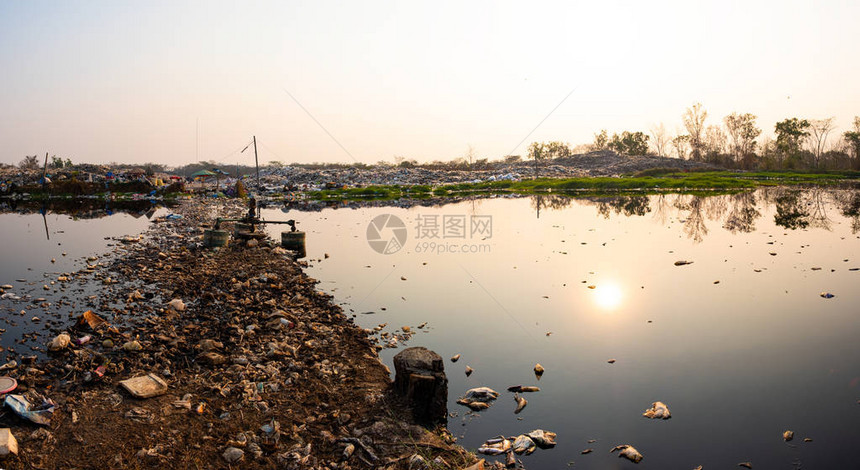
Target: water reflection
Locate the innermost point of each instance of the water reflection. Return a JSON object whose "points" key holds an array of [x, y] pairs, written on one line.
{"points": [[608, 296]]}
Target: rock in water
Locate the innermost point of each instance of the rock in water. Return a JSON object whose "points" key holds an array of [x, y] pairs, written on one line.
{"points": [[628, 452], [658, 410]]}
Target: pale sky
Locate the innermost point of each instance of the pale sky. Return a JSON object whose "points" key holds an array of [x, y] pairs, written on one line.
{"points": [[128, 81]]}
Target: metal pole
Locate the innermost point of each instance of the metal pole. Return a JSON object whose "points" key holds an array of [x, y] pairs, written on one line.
{"points": [[257, 162]]}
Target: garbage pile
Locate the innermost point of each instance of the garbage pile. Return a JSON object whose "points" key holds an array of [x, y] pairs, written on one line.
{"points": [[206, 358]]}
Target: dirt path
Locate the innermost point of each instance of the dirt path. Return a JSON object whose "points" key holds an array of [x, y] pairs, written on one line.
{"points": [[263, 370]]}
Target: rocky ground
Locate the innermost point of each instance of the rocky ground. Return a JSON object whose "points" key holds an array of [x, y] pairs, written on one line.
{"points": [[262, 370]]}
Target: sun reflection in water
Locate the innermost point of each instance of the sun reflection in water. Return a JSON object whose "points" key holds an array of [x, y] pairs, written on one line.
{"points": [[608, 296]]}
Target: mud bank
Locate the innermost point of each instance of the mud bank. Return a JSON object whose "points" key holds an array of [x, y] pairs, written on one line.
{"points": [[262, 370]]}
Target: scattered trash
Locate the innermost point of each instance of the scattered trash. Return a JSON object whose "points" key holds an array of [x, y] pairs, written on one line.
{"points": [[543, 439], [60, 342], [478, 398], [628, 452], [495, 446], [39, 414], [145, 386], [7, 384], [233, 454], [523, 445], [658, 410], [177, 305], [92, 320], [8, 443], [521, 403]]}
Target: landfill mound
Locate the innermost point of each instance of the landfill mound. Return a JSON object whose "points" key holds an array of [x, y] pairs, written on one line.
{"points": [[241, 361]]}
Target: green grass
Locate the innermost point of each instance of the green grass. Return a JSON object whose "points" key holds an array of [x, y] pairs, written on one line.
{"points": [[654, 180]]}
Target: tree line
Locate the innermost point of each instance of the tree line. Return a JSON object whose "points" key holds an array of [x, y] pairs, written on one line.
{"points": [[733, 142]]}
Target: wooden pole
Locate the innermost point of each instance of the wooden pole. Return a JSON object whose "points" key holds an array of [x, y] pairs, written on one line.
{"points": [[257, 162]]}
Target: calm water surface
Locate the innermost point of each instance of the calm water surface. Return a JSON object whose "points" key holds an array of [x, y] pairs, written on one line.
{"points": [[37, 249], [739, 344]]}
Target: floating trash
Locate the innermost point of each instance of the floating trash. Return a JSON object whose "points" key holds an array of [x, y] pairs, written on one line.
{"points": [[658, 410], [478, 398], [539, 370], [543, 439], [521, 403], [523, 388], [745, 464], [682, 262], [523, 445], [788, 435], [495, 446], [827, 295], [628, 452], [469, 371], [455, 358]]}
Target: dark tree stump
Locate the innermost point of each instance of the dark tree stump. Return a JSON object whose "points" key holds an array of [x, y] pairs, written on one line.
{"points": [[420, 378]]}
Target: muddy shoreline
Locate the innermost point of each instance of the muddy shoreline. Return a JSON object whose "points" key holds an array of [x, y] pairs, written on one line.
{"points": [[262, 369]]}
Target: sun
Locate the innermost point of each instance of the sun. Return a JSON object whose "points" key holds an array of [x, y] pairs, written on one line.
{"points": [[608, 296]]}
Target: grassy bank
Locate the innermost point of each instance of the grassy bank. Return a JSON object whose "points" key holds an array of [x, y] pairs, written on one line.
{"points": [[654, 180]]}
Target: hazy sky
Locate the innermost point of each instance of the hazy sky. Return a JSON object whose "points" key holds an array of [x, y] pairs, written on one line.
{"points": [[128, 81]]}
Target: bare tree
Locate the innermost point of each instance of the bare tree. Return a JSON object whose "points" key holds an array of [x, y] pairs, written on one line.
{"points": [[661, 139], [680, 144], [694, 122], [743, 133], [819, 129], [30, 162], [715, 141]]}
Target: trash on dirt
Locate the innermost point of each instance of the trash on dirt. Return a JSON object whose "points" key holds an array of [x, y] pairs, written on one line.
{"points": [[628, 452], [60, 342], [39, 414], [233, 454], [92, 320], [177, 304], [145, 386], [7, 384], [521, 403], [788, 435], [658, 410], [8, 443]]}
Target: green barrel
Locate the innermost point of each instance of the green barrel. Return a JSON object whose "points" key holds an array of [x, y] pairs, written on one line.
{"points": [[294, 241], [215, 238]]}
